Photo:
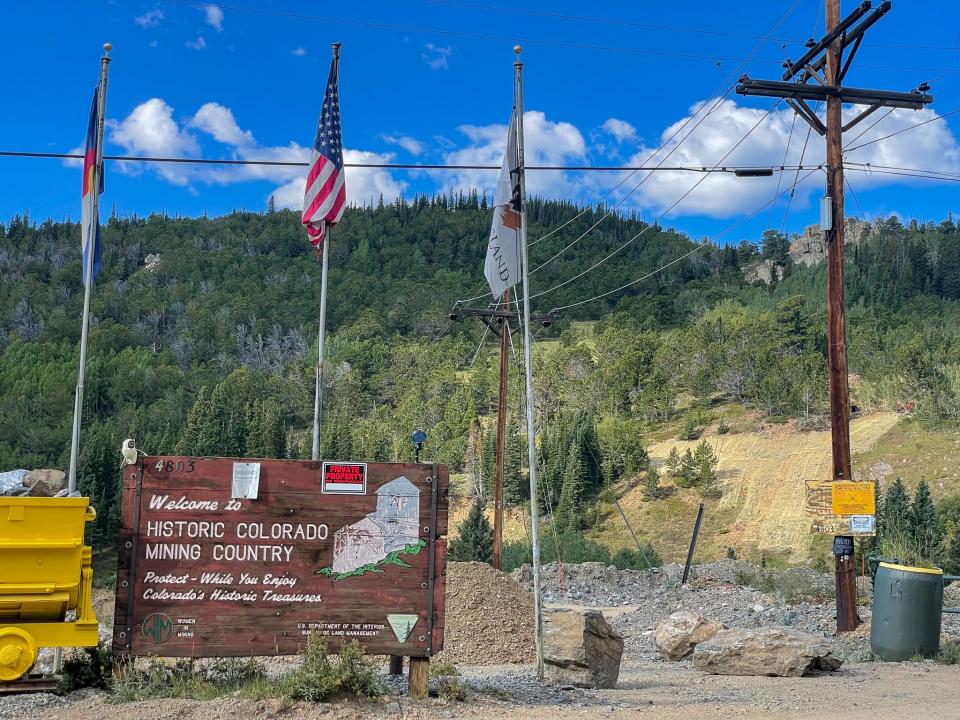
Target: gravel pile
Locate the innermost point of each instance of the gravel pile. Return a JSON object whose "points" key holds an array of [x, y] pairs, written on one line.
{"points": [[488, 617], [799, 598]]}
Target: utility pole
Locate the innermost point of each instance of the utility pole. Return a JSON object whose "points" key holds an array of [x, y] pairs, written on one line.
{"points": [[824, 63], [498, 320]]}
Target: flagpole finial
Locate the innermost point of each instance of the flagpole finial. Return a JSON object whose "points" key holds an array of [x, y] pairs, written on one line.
{"points": [[107, 47], [517, 49]]}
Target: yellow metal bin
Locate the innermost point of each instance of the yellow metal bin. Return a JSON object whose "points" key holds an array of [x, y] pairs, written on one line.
{"points": [[44, 573]]}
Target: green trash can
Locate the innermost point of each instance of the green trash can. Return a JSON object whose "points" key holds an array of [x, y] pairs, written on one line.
{"points": [[907, 603]]}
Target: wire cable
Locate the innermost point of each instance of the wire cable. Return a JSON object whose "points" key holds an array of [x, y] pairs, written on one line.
{"points": [[394, 166], [715, 105], [903, 130], [663, 214], [786, 151], [675, 260]]}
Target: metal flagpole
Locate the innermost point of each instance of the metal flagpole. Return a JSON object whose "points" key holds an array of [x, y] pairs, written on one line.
{"points": [[95, 189], [321, 334], [528, 362]]}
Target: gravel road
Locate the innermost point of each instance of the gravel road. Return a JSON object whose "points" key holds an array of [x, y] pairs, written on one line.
{"points": [[647, 689]]}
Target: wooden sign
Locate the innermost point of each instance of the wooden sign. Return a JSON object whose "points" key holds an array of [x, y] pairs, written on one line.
{"points": [[822, 505], [226, 557]]}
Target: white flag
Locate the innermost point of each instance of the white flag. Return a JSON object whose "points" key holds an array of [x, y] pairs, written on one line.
{"points": [[502, 266]]}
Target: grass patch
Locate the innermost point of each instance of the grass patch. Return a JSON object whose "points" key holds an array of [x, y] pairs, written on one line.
{"points": [[792, 585], [950, 653], [918, 451], [319, 677]]}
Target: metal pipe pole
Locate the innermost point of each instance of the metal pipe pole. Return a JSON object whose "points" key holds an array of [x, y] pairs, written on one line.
{"points": [[836, 324], [528, 369], [501, 438], [88, 274], [321, 338], [322, 332], [693, 545]]}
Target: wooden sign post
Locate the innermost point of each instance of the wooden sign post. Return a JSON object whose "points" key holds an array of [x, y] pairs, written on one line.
{"points": [[228, 557]]}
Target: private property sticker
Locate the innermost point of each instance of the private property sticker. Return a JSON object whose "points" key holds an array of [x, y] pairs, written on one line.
{"points": [[344, 478]]}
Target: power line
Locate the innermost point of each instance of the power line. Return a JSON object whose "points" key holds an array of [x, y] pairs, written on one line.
{"points": [[663, 214], [513, 38], [608, 21], [924, 176], [406, 166], [872, 166], [903, 130], [678, 259], [664, 28], [715, 105]]}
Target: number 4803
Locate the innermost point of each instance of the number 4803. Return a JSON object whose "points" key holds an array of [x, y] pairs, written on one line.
{"points": [[179, 466]]}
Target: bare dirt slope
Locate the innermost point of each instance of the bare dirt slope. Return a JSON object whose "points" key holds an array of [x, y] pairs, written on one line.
{"points": [[762, 474]]}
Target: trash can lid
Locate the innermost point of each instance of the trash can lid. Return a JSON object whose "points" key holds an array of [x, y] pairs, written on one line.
{"points": [[909, 568]]}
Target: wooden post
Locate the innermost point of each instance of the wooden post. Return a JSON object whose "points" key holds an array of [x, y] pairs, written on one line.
{"points": [[501, 438], [396, 664], [419, 676], [836, 321]]}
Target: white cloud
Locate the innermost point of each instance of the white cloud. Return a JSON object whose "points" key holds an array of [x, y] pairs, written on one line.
{"points": [[218, 121], [620, 129], [198, 44], [149, 19], [931, 146], [545, 143], [151, 130], [411, 145], [437, 57], [364, 185], [214, 16], [298, 51]]}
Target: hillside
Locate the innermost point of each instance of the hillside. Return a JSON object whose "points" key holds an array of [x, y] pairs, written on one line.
{"points": [[202, 343]]}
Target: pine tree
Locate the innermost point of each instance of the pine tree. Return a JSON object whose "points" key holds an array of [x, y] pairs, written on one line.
{"points": [[952, 560], [673, 460], [896, 511], [515, 490], [475, 541], [688, 471], [924, 527], [271, 205], [705, 464], [568, 515], [651, 483], [266, 437]]}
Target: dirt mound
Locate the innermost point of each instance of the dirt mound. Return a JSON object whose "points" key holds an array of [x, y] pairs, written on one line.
{"points": [[489, 617]]}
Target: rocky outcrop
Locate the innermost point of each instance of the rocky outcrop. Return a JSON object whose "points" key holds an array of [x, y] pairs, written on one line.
{"points": [[581, 649], [764, 271], [679, 634], [809, 248], [764, 651]]}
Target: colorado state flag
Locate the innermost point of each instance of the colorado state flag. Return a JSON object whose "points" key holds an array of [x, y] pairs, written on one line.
{"points": [[90, 222]]}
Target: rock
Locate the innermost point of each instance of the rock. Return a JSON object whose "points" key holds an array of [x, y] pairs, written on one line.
{"points": [[11, 481], [581, 649], [681, 632], [45, 483], [764, 651]]}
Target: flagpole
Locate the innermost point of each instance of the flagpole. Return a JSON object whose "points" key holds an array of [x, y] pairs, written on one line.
{"points": [[88, 272], [528, 362], [321, 337], [322, 332]]}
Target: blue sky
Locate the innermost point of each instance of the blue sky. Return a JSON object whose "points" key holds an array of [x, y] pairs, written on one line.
{"points": [[226, 82]]}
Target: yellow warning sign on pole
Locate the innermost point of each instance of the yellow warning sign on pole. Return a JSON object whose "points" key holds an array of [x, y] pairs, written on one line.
{"points": [[852, 498]]}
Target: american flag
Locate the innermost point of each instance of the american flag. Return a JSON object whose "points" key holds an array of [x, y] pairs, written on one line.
{"points": [[326, 194]]}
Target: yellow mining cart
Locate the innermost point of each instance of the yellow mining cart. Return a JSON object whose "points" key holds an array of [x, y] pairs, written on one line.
{"points": [[44, 573]]}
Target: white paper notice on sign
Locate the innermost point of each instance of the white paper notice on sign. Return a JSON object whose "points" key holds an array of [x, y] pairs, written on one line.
{"points": [[246, 480]]}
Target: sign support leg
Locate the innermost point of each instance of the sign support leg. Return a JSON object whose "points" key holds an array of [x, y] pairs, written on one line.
{"points": [[419, 676]]}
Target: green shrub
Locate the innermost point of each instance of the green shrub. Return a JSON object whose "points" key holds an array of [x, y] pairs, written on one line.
{"points": [[689, 431], [90, 667], [630, 559], [320, 677], [950, 653]]}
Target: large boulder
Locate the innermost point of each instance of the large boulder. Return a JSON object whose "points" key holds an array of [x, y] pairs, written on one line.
{"points": [[581, 649], [677, 636], [764, 651], [45, 483]]}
